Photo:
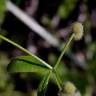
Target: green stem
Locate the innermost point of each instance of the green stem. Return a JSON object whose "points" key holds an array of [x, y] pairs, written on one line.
{"points": [[64, 50], [25, 50], [58, 79]]}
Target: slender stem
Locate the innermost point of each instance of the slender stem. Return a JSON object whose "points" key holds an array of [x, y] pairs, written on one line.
{"points": [[59, 59], [57, 79], [58, 83], [64, 50], [25, 50]]}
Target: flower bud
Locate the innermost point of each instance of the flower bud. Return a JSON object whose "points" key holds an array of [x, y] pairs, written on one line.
{"points": [[77, 28], [69, 89]]}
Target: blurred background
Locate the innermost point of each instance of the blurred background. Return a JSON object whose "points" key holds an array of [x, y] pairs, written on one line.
{"points": [[52, 20]]}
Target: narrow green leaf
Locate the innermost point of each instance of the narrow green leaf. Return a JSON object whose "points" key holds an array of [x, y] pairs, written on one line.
{"points": [[27, 64], [43, 84]]}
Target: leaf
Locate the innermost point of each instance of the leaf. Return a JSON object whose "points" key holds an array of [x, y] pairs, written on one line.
{"points": [[2, 9], [43, 84], [27, 64]]}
